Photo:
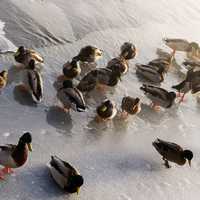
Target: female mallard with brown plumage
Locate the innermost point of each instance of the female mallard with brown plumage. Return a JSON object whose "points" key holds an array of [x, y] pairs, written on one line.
{"points": [[65, 175], [106, 111], [71, 69], [150, 73], [159, 96], [24, 56], [99, 78], [3, 79], [128, 51], [130, 106], [14, 156], [172, 152], [89, 54]]}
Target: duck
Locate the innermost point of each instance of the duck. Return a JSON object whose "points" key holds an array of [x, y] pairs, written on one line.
{"points": [[192, 64], [130, 106], [119, 63], [15, 156], [172, 152], [71, 97], [99, 77], [163, 63], [89, 54], [150, 73], [33, 82], [191, 48], [71, 69], [190, 83], [65, 175], [106, 111], [3, 79], [128, 51], [23, 56], [159, 96]]}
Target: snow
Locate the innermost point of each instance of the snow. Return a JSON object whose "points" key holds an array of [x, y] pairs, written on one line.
{"points": [[117, 160]]}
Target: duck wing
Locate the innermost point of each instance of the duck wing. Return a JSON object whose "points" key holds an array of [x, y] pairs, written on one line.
{"points": [[155, 91], [35, 83], [88, 82], [165, 148], [76, 98]]}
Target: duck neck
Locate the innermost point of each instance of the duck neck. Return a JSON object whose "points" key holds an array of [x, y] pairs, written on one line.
{"points": [[20, 153]]}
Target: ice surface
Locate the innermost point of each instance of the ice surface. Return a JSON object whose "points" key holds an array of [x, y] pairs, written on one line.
{"points": [[117, 160]]}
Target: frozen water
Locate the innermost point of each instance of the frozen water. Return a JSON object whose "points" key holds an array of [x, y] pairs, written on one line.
{"points": [[117, 160]]}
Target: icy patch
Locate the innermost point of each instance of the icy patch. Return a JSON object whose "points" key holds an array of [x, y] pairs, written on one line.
{"points": [[5, 44], [6, 134]]}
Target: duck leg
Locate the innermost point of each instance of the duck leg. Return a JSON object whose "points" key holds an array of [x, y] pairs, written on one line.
{"points": [[7, 170], [182, 98], [124, 115], [155, 107], [166, 163]]}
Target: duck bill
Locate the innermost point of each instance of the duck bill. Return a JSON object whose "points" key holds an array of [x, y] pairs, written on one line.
{"points": [[16, 53], [189, 162], [78, 190], [30, 147]]}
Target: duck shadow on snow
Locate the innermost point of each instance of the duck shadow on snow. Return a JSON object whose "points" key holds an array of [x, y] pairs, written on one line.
{"points": [[38, 183], [58, 118], [14, 74], [23, 97]]}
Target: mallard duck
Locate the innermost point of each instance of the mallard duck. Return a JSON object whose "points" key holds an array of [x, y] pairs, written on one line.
{"points": [[191, 83], [14, 156], [159, 96], [88, 54], [3, 79], [24, 56], [130, 106], [65, 175], [71, 97], [120, 64], [191, 64], [150, 73], [162, 63], [32, 80], [128, 51], [106, 111], [71, 69], [101, 76], [172, 152]]}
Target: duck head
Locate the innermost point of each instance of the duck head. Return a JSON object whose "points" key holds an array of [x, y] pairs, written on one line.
{"points": [[187, 154], [128, 51], [4, 74], [26, 138], [75, 182], [20, 50]]}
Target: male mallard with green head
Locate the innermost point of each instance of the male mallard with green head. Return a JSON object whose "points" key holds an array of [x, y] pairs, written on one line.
{"points": [[32, 80], [65, 175], [106, 111], [172, 152], [159, 96], [24, 56], [71, 97], [14, 156], [3, 79]]}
